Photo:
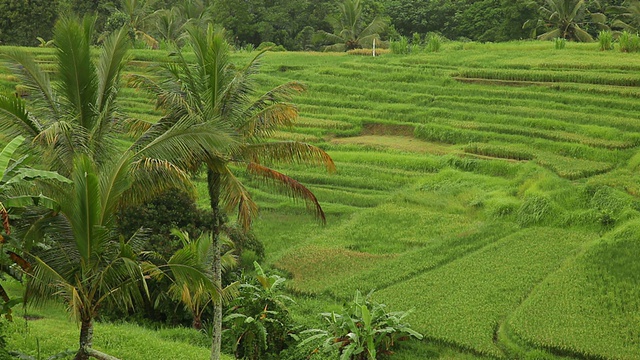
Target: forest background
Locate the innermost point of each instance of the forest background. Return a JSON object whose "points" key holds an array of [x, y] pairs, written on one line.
{"points": [[294, 24]]}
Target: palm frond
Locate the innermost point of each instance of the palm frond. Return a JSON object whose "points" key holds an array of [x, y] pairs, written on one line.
{"points": [[15, 120], [84, 211], [78, 81], [329, 37], [376, 26], [287, 186], [186, 141], [110, 64], [114, 182], [288, 152], [265, 122], [34, 78], [44, 282], [151, 177], [134, 128], [235, 197]]}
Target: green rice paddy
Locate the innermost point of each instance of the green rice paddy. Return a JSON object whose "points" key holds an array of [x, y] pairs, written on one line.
{"points": [[493, 188]]}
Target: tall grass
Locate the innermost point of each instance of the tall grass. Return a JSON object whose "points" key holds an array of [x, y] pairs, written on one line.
{"points": [[400, 46], [434, 43], [605, 40], [629, 42]]}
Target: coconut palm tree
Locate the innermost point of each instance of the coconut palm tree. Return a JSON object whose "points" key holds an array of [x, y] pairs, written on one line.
{"points": [[215, 91], [139, 17], [171, 23], [566, 19], [350, 32], [88, 264], [196, 299]]}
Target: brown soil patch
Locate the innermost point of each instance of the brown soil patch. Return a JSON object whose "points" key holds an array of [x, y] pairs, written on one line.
{"points": [[388, 129], [402, 143]]}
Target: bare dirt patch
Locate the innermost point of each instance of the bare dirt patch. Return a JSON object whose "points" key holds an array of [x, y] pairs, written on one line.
{"points": [[402, 143], [388, 129]]}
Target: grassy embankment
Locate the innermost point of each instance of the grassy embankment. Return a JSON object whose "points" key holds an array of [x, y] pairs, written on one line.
{"points": [[493, 188]]}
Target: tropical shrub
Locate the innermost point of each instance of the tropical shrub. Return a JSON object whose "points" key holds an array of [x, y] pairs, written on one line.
{"points": [[258, 323], [363, 331], [416, 42], [269, 46], [401, 46]]}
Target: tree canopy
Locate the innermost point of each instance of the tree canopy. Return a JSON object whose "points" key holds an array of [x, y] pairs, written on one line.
{"points": [[297, 24]]}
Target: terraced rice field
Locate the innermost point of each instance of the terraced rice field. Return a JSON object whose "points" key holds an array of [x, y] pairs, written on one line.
{"points": [[493, 188]]}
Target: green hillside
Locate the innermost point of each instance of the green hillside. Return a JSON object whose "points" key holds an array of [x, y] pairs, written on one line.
{"points": [[493, 188]]}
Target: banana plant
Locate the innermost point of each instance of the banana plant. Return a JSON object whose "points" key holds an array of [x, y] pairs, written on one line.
{"points": [[17, 181], [362, 331], [259, 323]]}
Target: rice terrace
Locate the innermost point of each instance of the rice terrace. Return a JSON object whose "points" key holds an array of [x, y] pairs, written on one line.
{"points": [[492, 190]]}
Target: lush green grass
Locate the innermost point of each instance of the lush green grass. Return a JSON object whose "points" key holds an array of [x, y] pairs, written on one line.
{"points": [[492, 187], [51, 330]]}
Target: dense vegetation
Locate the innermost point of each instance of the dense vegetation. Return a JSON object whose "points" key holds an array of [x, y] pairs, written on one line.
{"points": [[298, 25]]}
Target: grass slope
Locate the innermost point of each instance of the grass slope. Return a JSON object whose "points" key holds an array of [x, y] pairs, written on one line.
{"points": [[50, 330]]}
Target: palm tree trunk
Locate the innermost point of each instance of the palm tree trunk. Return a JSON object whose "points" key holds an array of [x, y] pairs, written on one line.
{"points": [[197, 322], [213, 184], [86, 339]]}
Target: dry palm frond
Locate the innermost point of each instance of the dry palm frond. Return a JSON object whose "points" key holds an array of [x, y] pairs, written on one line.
{"points": [[288, 152], [287, 186], [236, 197]]}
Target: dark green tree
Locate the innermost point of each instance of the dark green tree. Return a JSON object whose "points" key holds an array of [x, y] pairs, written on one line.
{"points": [[422, 16], [277, 21], [17, 25]]}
